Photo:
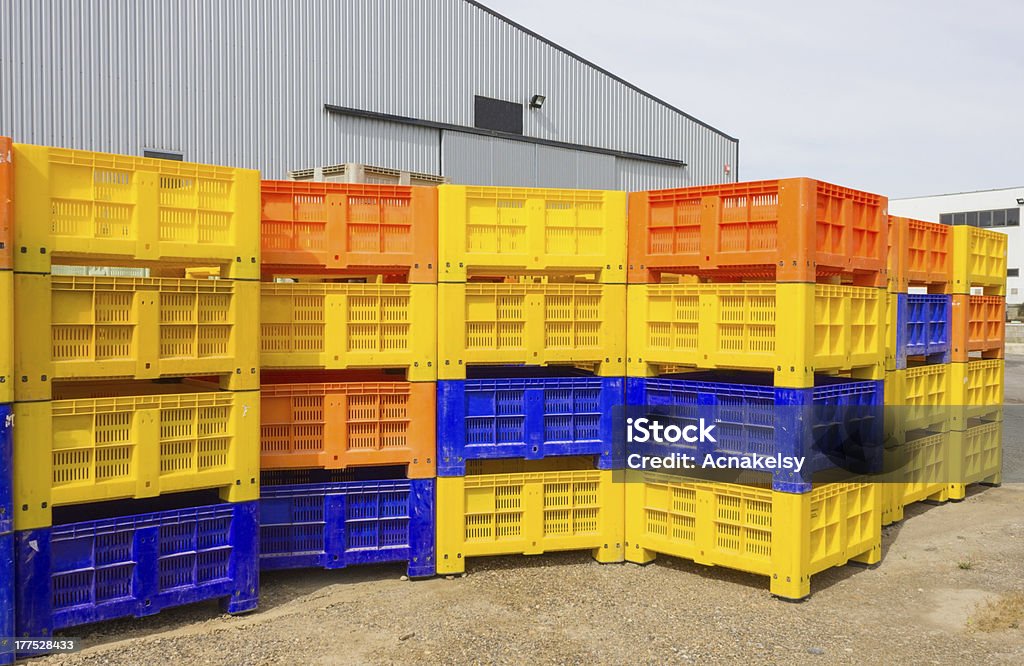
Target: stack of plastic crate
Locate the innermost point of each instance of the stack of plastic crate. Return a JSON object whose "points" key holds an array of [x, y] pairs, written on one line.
{"points": [[137, 397], [944, 379], [348, 349], [775, 291], [531, 353], [6, 414]]}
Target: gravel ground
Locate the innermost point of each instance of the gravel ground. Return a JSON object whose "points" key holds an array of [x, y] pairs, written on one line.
{"points": [[948, 590]]}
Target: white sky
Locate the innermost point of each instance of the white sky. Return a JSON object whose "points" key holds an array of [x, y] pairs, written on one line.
{"points": [[903, 98]]}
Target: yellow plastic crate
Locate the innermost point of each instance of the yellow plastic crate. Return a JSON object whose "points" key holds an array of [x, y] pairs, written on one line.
{"points": [[528, 514], [793, 329], [82, 205], [786, 536], [536, 323], [976, 391], [93, 449], [976, 456], [502, 230], [6, 336], [979, 260], [77, 327], [919, 470], [350, 325], [919, 398]]}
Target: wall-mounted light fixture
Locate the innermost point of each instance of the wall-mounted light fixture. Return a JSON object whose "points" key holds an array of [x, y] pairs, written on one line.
{"points": [[1020, 201], [537, 101]]}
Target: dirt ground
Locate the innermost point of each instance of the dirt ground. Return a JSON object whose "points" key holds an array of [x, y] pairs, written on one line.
{"points": [[950, 589]]}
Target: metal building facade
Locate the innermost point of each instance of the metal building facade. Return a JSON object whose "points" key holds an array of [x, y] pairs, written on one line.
{"points": [[246, 83]]}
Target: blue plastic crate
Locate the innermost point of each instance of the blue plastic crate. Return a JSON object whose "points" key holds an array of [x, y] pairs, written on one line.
{"points": [[336, 525], [6, 598], [923, 327], [136, 565], [837, 424], [529, 415], [6, 471]]}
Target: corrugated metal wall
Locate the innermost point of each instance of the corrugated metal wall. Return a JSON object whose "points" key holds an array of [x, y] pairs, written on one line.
{"points": [[244, 83]]}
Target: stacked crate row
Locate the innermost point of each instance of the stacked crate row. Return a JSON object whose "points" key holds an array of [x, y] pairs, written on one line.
{"points": [[776, 290], [531, 354], [136, 398], [6, 398], [348, 350], [944, 380]]}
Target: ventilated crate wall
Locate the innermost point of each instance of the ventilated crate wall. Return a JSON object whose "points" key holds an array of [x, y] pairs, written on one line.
{"points": [[136, 565], [528, 513], [976, 391], [6, 468], [527, 417], [794, 330], [6, 336], [979, 327], [793, 230], [534, 324], [976, 455], [503, 230], [918, 470], [88, 205], [336, 525], [979, 260], [786, 536], [352, 325], [339, 228], [919, 325], [920, 255], [78, 327], [836, 424], [341, 425], [94, 449], [6, 204], [920, 398]]}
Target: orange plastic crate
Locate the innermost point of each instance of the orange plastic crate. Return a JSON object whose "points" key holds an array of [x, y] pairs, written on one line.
{"points": [[349, 424], [6, 199], [349, 229], [793, 230], [920, 255], [979, 326]]}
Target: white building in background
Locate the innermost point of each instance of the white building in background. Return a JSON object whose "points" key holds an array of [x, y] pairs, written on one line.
{"points": [[999, 210]]}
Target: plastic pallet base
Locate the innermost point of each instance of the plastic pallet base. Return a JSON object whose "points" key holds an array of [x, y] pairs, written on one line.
{"points": [[337, 525], [137, 565], [838, 424], [527, 417], [784, 536]]}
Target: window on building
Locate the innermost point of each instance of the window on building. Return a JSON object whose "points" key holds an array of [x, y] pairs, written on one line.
{"points": [[498, 115], [1013, 292], [164, 154], [1002, 217], [1012, 272]]}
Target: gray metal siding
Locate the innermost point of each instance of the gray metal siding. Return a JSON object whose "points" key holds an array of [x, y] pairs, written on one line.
{"points": [[244, 83]]}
